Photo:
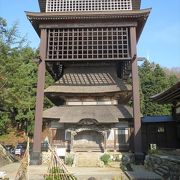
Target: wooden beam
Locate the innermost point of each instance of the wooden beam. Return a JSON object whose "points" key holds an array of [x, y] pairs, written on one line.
{"points": [[40, 95], [84, 60], [52, 25], [136, 96]]}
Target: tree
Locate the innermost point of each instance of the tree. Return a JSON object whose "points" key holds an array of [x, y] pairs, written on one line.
{"points": [[18, 79], [154, 80]]}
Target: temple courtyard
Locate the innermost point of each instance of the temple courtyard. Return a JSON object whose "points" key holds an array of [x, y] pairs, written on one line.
{"points": [[37, 172]]}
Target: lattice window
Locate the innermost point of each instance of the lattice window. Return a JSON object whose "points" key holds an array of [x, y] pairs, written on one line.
{"points": [[88, 43], [87, 5]]}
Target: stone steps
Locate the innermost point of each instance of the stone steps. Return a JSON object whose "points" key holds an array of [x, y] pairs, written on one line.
{"points": [[163, 171], [87, 149], [87, 159]]}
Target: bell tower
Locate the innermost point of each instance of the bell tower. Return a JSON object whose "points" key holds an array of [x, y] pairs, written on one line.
{"points": [[89, 48]]}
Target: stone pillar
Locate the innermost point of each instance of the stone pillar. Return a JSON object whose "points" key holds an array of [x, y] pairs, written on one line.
{"points": [[39, 101], [136, 95]]}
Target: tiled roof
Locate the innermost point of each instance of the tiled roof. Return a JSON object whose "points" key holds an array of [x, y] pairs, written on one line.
{"points": [[102, 114], [138, 16], [87, 14], [168, 96], [156, 119], [89, 80]]}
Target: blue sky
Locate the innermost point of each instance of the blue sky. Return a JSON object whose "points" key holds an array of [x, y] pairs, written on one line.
{"points": [[160, 40]]}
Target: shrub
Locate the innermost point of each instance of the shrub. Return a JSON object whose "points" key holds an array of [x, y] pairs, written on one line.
{"points": [[54, 174], [69, 160], [55, 170], [153, 151], [105, 158]]}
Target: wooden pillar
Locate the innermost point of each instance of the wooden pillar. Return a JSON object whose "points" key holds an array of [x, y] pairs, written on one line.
{"points": [[40, 94], [72, 141], [105, 140], [53, 135], [136, 95], [115, 139]]}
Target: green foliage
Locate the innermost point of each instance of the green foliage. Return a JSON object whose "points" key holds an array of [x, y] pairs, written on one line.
{"points": [[105, 158], [4, 122], [153, 151], [18, 79], [54, 170], [69, 160], [153, 80], [56, 173]]}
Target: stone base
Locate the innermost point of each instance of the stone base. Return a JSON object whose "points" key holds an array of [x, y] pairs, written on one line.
{"points": [[35, 158], [139, 158]]}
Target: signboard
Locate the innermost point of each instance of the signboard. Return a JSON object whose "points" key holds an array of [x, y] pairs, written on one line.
{"points": [[153, 146], [61, 152]]}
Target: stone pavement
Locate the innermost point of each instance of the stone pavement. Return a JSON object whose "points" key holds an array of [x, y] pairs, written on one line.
{"points": [[11, 170], [82, 173], [140, 173]]}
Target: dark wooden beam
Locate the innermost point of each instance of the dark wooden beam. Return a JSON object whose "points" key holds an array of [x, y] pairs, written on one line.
{"points": [[136, 96], [85, 60], [94, 24], [55, 69], [40, 95]]}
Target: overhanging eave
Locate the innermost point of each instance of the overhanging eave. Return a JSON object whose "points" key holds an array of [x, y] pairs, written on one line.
{"points": [[139, 16], [103, 114]]}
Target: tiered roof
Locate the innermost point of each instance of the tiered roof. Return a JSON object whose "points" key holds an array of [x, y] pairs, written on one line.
{"points": [[103, 114], [89, 79]]}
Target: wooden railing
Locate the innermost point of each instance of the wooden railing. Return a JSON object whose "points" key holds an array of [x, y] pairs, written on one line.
{"points": [[22, 172], [57, 168]]}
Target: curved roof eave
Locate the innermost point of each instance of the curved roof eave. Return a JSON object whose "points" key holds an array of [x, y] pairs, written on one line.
{"points": [[139, 16], [170, 95]]}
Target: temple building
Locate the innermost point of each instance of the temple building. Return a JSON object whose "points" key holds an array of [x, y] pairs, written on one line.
{"points": [[164, 131], [89, 48]]}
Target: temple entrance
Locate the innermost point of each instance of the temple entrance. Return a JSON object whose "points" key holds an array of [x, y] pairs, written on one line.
{"points": [[88, 141]]}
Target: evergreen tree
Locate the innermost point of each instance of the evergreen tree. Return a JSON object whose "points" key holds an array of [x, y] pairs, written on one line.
{"points": [[154, 80], [18, 79]]}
